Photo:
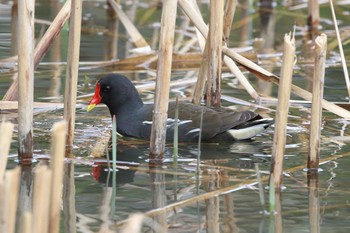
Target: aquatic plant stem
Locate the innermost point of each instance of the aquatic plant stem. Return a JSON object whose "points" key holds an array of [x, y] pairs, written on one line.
{"points": [[70, 95], [161, 99], [114, 165], [284, 89], [176, 133], [114, 143], [25, 80], [317, 96]]}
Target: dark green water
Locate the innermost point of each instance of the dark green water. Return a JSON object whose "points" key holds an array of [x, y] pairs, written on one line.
{"points": [[140, 188]]}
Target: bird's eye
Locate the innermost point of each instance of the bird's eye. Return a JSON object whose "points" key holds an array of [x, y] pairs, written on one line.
{"points": [[107, 89]]}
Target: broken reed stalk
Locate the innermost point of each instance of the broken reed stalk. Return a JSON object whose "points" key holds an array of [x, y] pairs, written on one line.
{"points": [[216, 22], [317, 96], [203, 28], [158, 132], [26, 80], [43, 45], [41, 199], [313, 15], [6, 129], [341, 51], [58, 144], [133, 32], [10, 199], [70, 96], [279, 139]]}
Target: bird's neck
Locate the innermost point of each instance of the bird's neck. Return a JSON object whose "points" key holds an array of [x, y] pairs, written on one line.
{"points": [[126, 108]]}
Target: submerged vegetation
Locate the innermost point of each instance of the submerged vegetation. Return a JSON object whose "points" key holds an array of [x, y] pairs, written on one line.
{"points": [[250, 61]]}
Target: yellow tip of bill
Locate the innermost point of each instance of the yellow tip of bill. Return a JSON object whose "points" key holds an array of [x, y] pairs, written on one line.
{"points": [[90, 107]]}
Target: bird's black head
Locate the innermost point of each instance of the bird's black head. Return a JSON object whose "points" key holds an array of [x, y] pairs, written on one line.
{"points": [[117, 92]]}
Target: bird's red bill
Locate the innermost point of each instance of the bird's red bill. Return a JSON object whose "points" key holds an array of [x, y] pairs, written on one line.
{"points": [[96, 99]]}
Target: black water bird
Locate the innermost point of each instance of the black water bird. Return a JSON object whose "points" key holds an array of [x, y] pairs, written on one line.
{"points": [[134, 118]]}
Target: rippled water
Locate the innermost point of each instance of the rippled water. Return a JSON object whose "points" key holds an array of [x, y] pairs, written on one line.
{"points": [[228, 170]]}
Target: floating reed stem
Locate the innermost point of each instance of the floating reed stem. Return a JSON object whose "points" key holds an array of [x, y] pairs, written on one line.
{"points": [[317, 96], [41, 199], [6, 129], [72, 69], [216, 22], [58, 143], [158, 133], [26, 80], [43, 45], [10, 198], [341, 51], [284, 89]]}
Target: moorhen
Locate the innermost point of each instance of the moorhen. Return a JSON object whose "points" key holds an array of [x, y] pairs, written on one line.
{"points": [[134, 118]]}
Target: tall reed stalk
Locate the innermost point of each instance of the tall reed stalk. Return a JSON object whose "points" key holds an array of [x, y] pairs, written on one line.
{"points": [[284, 89], [161, 99], [72, 69], [26, 80], [215, 52], [317, 96]]}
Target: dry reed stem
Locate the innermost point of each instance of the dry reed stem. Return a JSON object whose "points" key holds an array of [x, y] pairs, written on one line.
{"points": [[26, 80], [43, 45], [284, 89], [158, 133], [26, 223], [317, 95], [133, 224], [203, 28], [202, 77], [214, 40], [341, 51], [41, 199], [134, 34], [12, 178], [57, 160], [70, 96], [230, 9], [6, 129]]}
